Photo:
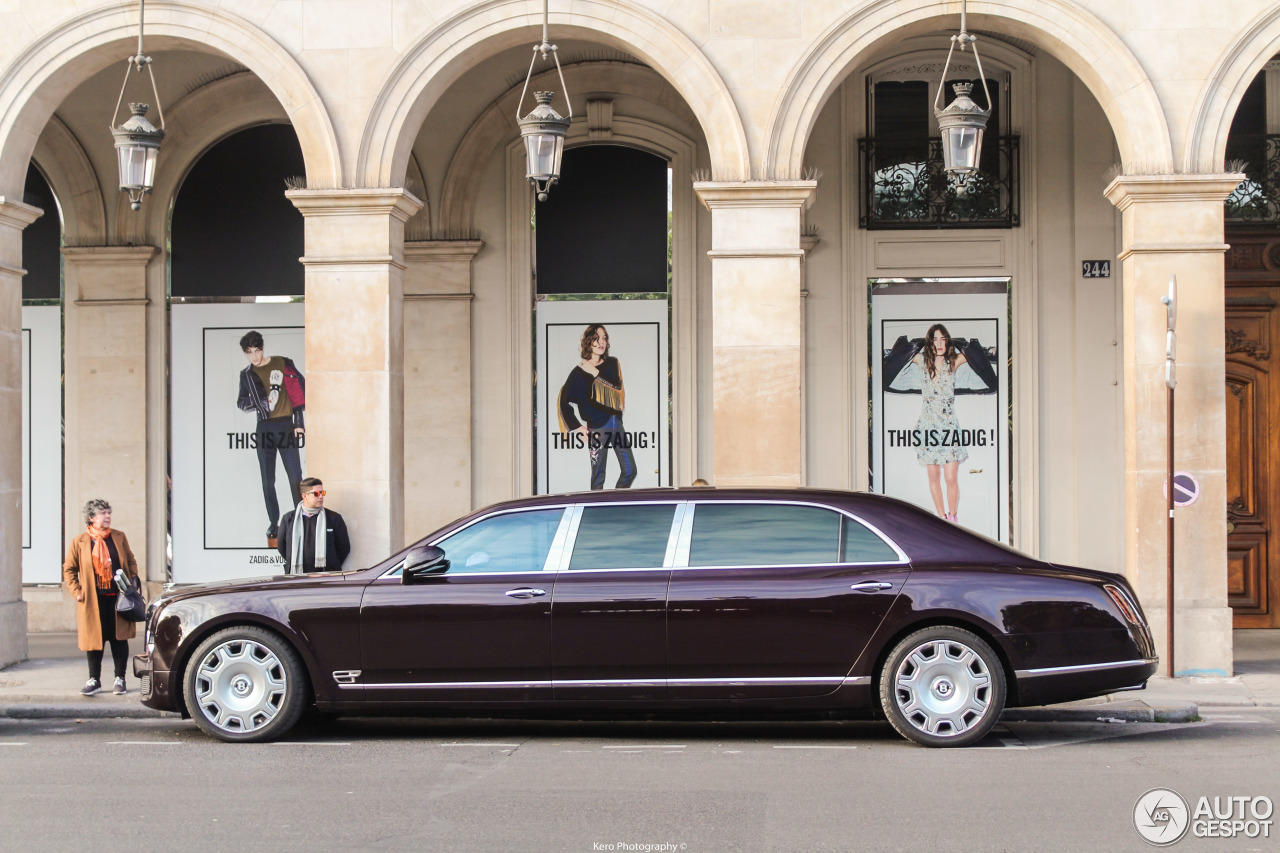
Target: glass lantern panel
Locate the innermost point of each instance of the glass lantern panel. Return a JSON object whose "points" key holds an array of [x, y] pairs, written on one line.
{"points": [[137, 165], [961, 147], [543, 152]]}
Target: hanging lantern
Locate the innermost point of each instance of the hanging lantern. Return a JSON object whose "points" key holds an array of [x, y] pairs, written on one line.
{"points": [[962, 122], [137, 139], [543, 129], [137, 146]]}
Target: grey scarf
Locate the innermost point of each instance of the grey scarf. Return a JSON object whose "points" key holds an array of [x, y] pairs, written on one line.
{"points": [[298, 536]]}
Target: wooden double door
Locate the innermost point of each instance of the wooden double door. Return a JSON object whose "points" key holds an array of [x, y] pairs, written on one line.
{"points": [[1253, 430]]}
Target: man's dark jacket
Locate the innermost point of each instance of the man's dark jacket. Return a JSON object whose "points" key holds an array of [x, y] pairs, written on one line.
{"points": [[337, 544]]}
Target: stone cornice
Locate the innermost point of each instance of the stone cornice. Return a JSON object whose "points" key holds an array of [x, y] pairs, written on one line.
{"points": [[442, 250], [17, 214], [355, 262], [723, 194], [392, 201], [1160, 189], [113, 256]]}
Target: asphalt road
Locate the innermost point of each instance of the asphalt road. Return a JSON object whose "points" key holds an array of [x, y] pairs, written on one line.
{"points": [[632, 786]]}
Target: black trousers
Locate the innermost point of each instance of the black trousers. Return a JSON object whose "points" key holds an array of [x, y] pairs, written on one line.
{"points": [[276, 437], [119, 648]]}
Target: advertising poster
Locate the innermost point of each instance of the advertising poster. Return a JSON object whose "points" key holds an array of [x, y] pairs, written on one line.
{"points": [[940, 430], [239, 441], [603, 407], [42, 444]]}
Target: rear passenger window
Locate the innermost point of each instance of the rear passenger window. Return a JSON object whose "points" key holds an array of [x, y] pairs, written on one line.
{"points": [[763, 535], [629, 536], [860, 545]]}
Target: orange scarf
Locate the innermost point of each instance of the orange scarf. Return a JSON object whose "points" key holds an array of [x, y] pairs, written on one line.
{"points": [[101, 556]]}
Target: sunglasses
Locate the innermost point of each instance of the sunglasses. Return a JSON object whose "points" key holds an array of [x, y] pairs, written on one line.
{"points": [[318, 493]]}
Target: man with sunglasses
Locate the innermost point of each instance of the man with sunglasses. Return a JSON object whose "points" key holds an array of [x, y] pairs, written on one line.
{"points": [[305, 551]]}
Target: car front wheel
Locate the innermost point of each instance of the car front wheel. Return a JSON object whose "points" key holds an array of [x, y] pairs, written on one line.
{"points": [[943, 686], [245, 684]]}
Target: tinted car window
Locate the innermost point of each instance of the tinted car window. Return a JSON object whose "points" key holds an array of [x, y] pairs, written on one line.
{"points": [[860, 545], [763, 535], [622, 537], [512, 542]]}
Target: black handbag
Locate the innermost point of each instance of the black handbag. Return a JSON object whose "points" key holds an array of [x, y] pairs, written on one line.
{"points": [[130, 605]]}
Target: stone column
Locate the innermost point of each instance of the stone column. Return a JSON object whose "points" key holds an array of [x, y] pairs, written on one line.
{"points": [[437, 383], [14, 216], [355, 358], [106, 389], [1173, 224], [757, 345]]}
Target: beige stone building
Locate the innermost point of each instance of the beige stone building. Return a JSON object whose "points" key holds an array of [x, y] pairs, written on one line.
{"points": [[1123, 128]]}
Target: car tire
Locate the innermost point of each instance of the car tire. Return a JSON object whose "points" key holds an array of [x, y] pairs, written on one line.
{"points": [[245, 684], [943, 686]]}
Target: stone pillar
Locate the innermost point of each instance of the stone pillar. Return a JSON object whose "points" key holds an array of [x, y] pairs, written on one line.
{"points": [[437, 383], [106, 389], [355, 358], [757, 340], [1173, 224], [14, 216]]}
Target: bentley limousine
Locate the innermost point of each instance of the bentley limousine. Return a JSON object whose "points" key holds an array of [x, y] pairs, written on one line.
{"points": [[729, 602]]}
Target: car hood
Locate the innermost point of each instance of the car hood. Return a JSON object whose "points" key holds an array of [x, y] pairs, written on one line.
{"points": [[244, 585]]}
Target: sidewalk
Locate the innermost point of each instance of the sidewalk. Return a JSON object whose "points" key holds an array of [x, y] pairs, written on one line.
{"points": [[48, 686]]}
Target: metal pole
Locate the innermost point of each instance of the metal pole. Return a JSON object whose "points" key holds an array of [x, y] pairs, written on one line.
{"points": [[1169, 544]]}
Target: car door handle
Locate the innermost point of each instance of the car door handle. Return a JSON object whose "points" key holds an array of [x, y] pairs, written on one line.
{"points": [[526, 592], [865, 586]]}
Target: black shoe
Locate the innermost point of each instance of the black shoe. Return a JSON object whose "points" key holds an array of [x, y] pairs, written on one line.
{"points": [[91, 687]]}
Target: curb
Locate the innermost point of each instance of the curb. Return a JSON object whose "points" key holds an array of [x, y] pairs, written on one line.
{"points": [[70, 712], [1188, 713]]}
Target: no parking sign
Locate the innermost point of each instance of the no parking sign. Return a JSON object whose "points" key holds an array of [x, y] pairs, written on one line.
{"points": [[1186, 488]]}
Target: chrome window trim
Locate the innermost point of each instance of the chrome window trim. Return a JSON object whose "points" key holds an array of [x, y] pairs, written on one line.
{"points": [[1087, 667], [666, 562], [558, 556], [687, 539], [394, 570]]}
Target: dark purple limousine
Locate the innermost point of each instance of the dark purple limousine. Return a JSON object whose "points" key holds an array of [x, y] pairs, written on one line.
{"points": [[734, 602]]}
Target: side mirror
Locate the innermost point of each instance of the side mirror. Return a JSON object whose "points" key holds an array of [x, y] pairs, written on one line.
{"points": [[421, 561]]}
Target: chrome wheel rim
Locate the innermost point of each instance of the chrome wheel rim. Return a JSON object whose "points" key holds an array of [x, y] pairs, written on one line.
{"points": [[240, 686], [943, 688]]}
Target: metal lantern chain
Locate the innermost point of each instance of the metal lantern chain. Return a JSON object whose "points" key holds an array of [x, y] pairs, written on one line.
{"points": [[962, 122], [137, 141], [543, 129]]}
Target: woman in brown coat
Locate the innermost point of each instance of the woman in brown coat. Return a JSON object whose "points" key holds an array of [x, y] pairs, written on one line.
{"points": [[89, 571]]}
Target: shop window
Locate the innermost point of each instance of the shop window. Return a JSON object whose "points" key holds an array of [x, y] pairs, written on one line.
{"points": [[900, 159]]}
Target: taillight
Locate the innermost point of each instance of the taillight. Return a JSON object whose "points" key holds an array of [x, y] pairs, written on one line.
{"points": [[1126, 604]]}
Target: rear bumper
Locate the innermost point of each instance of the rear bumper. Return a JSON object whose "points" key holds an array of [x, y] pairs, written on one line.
{"points": [[1069, 683]]}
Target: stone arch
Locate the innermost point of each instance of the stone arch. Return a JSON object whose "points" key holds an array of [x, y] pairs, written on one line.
{"points": [[43, 74], [496, 127], [427, 70], [70, 174], [1216, 106], [1063, 28]]}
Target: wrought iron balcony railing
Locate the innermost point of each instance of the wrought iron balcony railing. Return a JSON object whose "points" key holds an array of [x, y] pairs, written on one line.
{"points": [[1257, 200], [904, 186]]}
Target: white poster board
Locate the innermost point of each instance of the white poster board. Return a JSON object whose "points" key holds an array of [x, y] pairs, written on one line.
{"points": [[954, 421], [220, 511], [638, 346], [42, 444]]}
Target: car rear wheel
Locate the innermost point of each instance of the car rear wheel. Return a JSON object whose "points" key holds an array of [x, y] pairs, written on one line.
{"points": [[245, 684], [943, 686]]}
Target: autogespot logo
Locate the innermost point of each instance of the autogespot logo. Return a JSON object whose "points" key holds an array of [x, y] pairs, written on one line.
{"points": [[1161, 817]]}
